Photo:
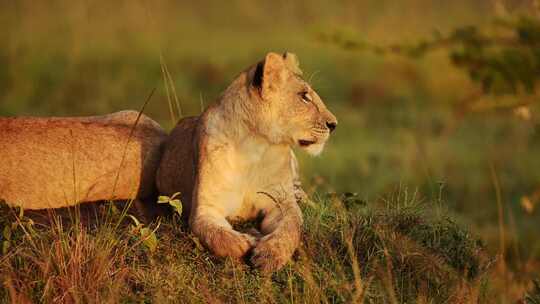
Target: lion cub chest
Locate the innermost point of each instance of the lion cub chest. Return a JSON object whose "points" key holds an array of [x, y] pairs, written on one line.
{"points": [[248, 173]]}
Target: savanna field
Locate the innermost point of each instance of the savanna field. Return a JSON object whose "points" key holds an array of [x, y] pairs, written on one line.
{"points": [[428, 191]]}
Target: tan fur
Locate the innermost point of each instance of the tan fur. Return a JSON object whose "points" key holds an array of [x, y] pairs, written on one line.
{"points": [[235, 163], [59, 162]]}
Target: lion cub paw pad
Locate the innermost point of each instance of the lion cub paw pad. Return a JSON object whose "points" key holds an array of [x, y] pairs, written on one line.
{"points": [[232, 244]]}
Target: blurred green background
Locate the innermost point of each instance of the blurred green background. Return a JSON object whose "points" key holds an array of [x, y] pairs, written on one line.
{"points": [[400, 123]]}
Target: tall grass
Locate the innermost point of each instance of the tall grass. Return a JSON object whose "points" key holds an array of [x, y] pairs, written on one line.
{"points": [[55, 262]]}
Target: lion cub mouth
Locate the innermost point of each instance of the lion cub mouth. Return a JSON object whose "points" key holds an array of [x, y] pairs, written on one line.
{"points": [[305, 143]]}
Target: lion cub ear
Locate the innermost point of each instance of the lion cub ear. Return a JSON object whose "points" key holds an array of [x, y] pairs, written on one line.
{"points": [[291, 61], [270, 75]]}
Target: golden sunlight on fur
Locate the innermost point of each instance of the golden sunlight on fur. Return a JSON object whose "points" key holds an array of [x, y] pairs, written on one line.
{"points": [[62, 161], [235, 161]]}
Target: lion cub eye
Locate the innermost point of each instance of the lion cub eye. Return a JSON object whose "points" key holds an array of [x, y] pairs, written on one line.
{"points": [[305, 97]]}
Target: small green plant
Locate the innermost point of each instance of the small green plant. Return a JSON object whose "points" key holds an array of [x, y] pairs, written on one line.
{"points": [[173, 201], [146, 235], [13, 227], [6, 238]]}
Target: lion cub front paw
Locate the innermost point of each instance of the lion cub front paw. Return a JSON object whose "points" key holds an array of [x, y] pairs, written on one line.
{"points": [[271, 254], [230, 243]]}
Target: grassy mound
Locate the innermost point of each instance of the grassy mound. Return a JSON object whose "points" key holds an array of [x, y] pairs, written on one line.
{"points": [[388, 251]]}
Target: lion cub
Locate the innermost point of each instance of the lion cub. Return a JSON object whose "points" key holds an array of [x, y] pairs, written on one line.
{"points": [[235, 162]]}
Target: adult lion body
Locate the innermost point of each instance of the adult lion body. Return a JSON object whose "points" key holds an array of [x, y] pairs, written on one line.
{"points": [[235, 162], [62, 161]]}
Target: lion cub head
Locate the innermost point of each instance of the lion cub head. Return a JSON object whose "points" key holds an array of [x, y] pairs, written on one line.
{"points": [[284, 107]]}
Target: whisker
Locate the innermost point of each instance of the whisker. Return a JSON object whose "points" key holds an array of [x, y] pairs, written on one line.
{"points": [[312, 76]]}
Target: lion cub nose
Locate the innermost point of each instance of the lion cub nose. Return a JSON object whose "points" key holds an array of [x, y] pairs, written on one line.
{"points": [[331, 125]]}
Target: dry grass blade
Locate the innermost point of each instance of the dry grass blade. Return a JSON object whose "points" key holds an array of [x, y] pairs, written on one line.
{"points": [[132, 130], [170, 89], [359, 291]]}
